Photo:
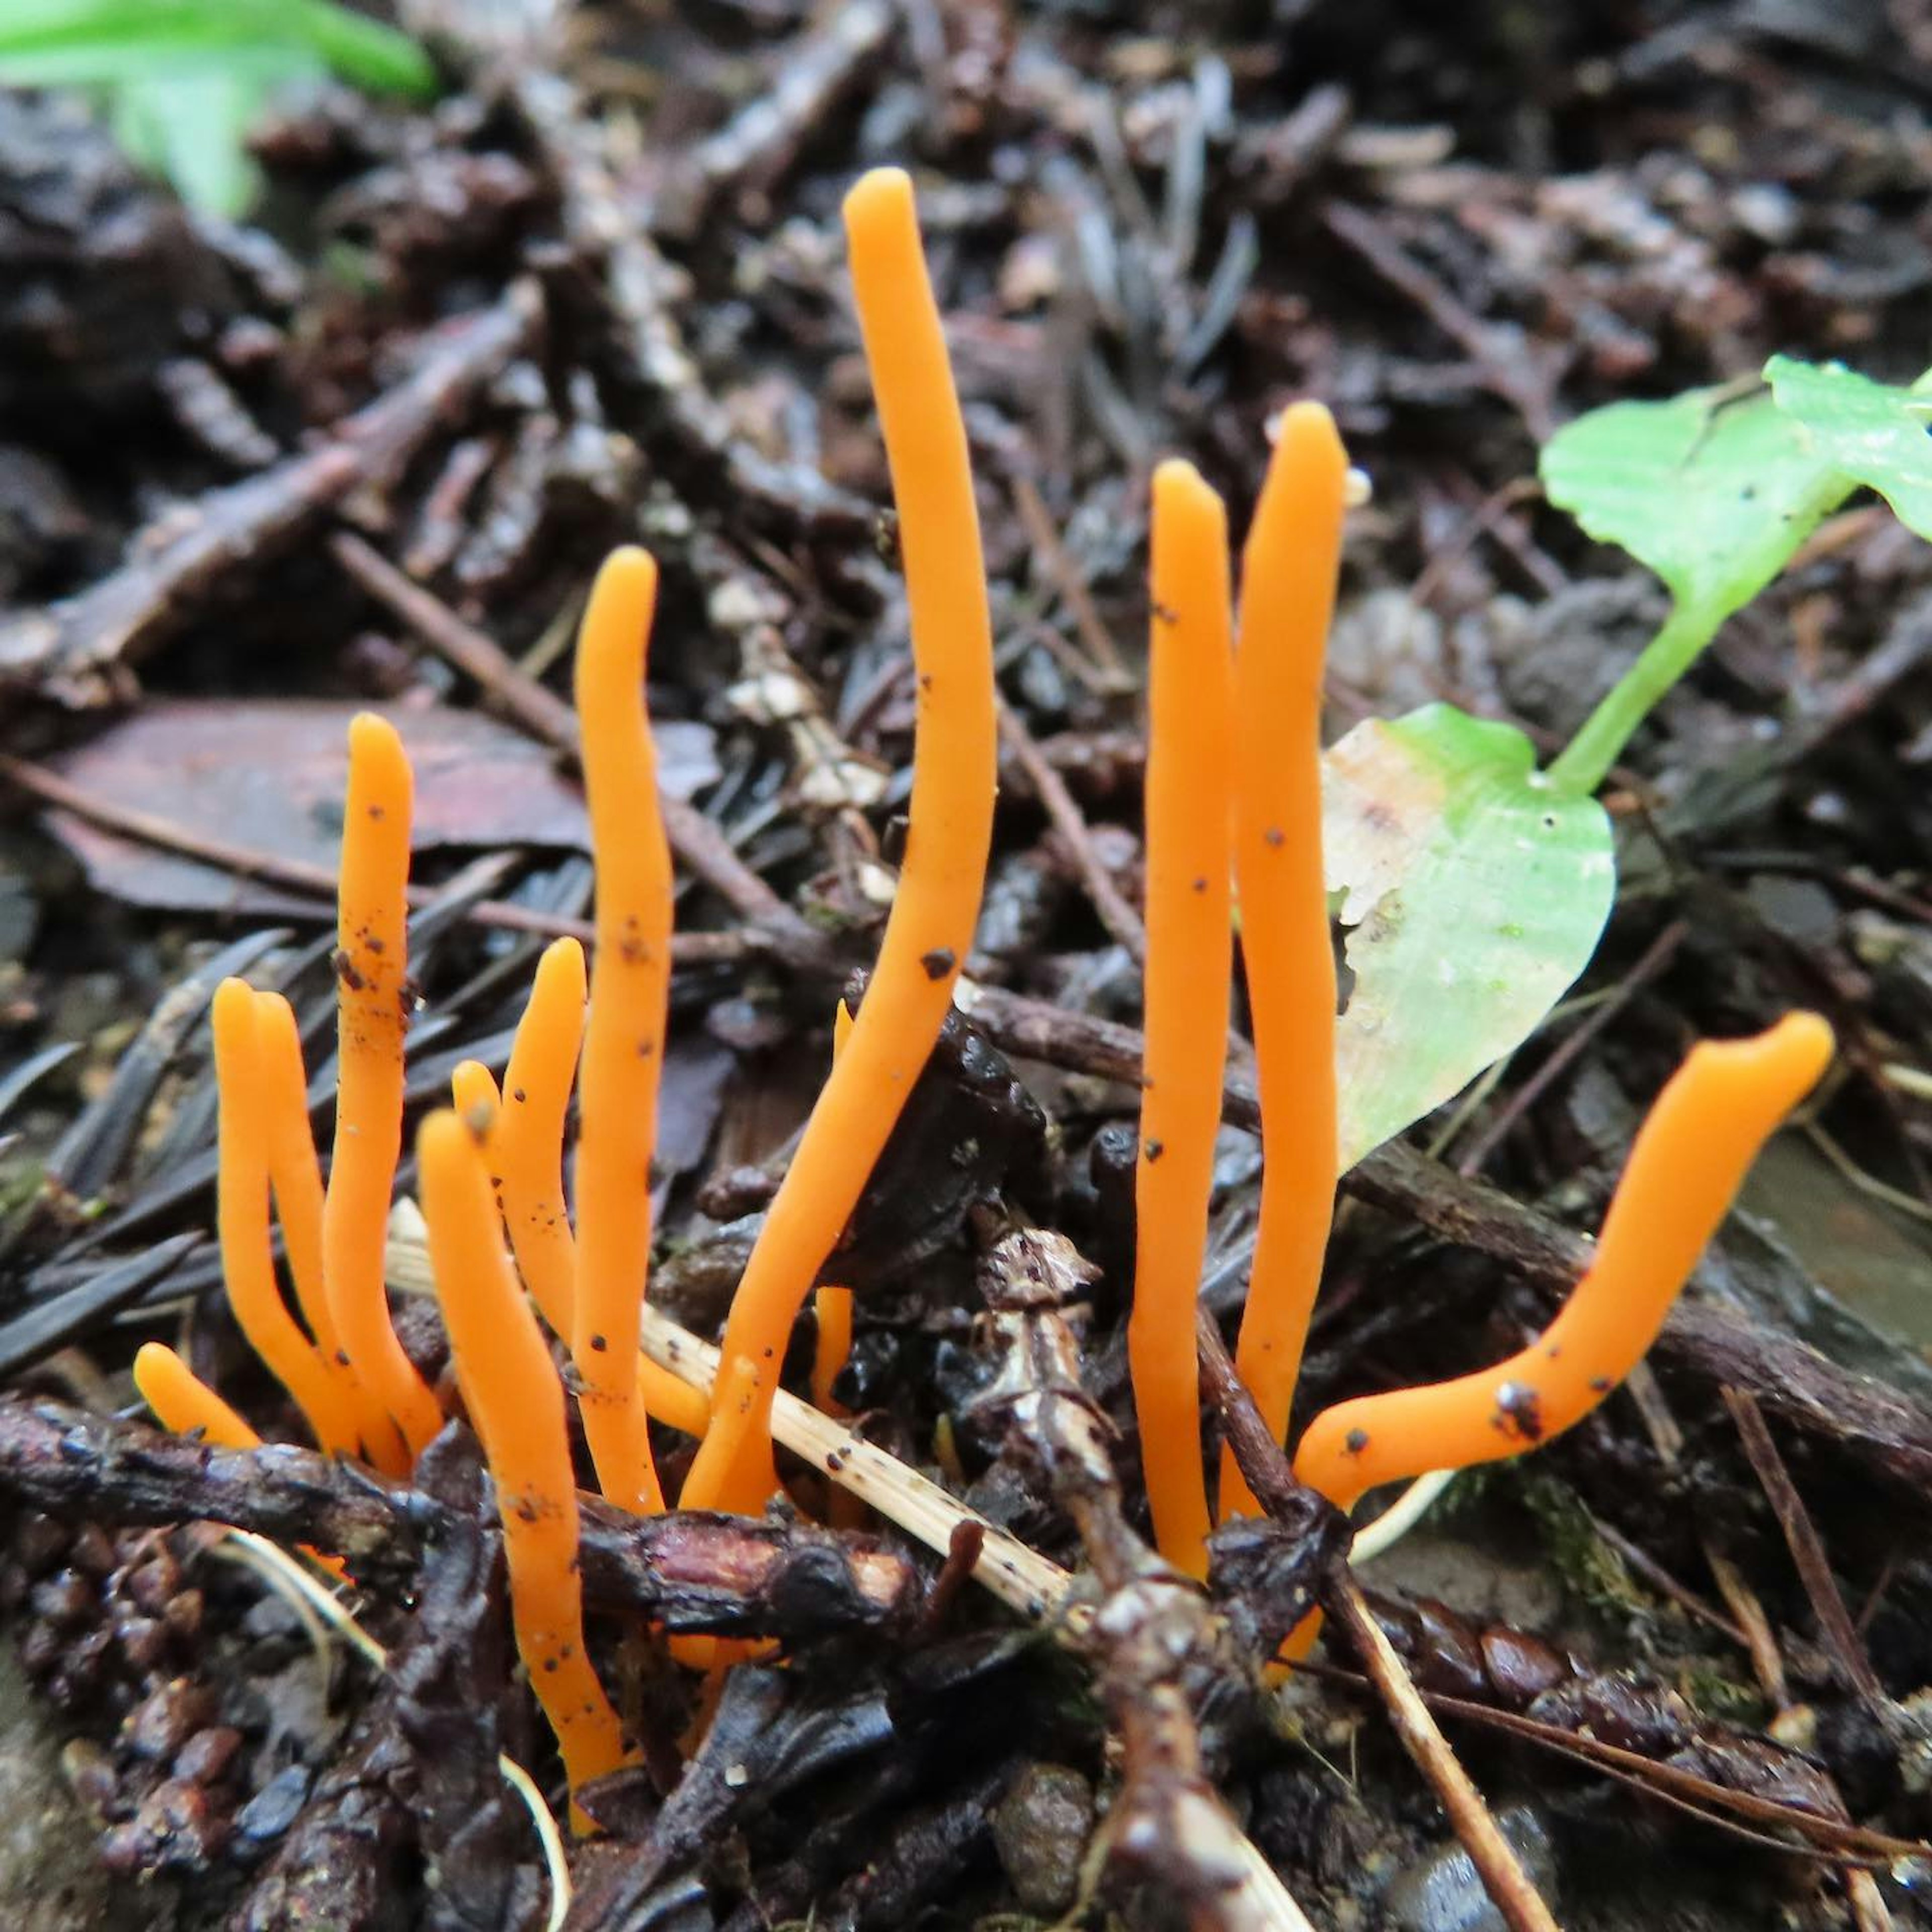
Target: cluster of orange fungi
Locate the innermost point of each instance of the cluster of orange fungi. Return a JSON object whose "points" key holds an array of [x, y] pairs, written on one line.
{"points": [[1233, 810]]}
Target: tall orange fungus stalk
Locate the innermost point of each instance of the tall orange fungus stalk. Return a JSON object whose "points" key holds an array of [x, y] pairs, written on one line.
{"points": [[931, 926], [1190, 957], [1288, 570]]}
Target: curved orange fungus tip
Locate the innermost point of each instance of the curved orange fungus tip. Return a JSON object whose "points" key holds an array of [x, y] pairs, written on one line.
{"points": [[517, 1403], [528, 1150], [372, 1003], [247, 1252], [183, 1402], [472, 1092], [1189, 959], [1288, 570], [624, 1029], [1689, 1160], [930, 929]]}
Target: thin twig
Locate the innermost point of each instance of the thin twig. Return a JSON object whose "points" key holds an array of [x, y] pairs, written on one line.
{"points": [[1119, 918], [1265, 1465], [1807, 1551]]}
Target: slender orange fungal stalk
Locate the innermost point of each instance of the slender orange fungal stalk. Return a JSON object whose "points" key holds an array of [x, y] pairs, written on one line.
{"points": [[624, 1029], [183, 1402], [516, 1402], [1190, 962], [1288, 570], [931, 926], [295, 1180], [528, 1151], [833, 1308], [1685, 1168], [242, 1212], [373, 1000]]}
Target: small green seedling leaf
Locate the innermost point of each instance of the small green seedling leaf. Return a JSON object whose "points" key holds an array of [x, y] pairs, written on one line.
{"points": [[1715, 494], [184, 80], [83, 43], [1874, 433], [1474, 893]]}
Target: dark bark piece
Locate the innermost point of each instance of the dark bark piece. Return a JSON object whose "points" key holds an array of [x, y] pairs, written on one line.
{"points": [[725, 1575]]}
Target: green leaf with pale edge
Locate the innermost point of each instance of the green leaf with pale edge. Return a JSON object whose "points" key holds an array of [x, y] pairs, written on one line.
{"points": [[1713, 495], [1877, 435], [1474, 895]]}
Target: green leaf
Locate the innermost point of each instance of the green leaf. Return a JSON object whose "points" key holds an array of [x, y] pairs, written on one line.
{"points": [[184, 80], [92, 43], [1714, 495], [1474, 894], [192, 129], [1877, 435]]}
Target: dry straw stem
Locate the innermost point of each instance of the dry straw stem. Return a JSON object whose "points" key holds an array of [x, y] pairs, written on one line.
{"points": [[955, 764], [372, 998], [624, 1031], [1685, 1170], [248, 1249], [1288, 570], [517, 1403], [1190, 959], [1025, 1582]]}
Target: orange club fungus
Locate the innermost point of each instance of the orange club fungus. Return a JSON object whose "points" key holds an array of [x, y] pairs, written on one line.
{"points": [[1288, 569], [1190, 956], [1686, 1165], [511, 1388], [624, 1031], [373, 1001], [936, 907]]}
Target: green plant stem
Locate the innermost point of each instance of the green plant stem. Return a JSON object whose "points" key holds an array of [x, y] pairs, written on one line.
{"points": [[1580, 766]]}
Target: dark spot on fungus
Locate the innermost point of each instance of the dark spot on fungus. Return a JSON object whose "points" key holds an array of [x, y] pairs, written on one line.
{"points": [[1600, 1384], [938, 962], [376, 812], [1519, 1411], [597, 1342], [1166, 613], [343, 967], [518, 1095], [1355, 1441], [1154, 1150], [1275, 837]]}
